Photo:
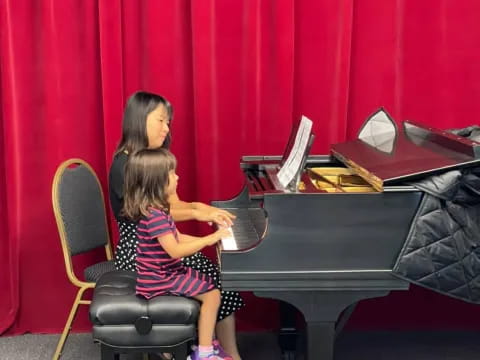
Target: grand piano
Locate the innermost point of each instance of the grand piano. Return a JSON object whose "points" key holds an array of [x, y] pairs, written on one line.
{"points": [[331, 237]]}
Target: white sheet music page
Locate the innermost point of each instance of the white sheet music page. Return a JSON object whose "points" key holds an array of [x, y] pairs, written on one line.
{"points": [[294, 161]]}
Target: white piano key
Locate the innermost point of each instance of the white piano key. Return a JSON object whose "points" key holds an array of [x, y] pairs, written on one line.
{"points": [[229, 243]]}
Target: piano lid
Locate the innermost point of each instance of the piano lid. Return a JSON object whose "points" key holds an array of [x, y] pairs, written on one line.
{"points": [[384, 154]]}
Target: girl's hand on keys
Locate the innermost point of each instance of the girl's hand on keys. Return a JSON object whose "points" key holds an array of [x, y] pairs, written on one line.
{"points": [[218, 235]]}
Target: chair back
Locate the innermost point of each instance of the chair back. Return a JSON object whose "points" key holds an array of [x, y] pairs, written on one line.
{"points": [[79, 209]]}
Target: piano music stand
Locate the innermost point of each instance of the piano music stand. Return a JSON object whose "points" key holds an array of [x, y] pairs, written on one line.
{"points": [[293, 185]]}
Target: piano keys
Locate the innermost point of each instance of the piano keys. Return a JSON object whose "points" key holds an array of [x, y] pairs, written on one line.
{"points": [[229, 242], [249, 228], [334, 240]]}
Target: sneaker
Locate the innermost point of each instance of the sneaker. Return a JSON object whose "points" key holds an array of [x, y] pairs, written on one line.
{"points": [[219, 351], [196, 356]]}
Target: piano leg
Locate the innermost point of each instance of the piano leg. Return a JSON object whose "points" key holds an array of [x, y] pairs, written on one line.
{"points": [[287, 338], [321, 310], [320, 339]]}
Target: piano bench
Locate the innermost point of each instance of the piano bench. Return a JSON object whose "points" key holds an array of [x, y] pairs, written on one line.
{"points": [[124, 322]]}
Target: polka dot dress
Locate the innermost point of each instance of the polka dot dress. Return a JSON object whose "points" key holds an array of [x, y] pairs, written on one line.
{"points": [[125, 259], [126, 252], [231, 300]]}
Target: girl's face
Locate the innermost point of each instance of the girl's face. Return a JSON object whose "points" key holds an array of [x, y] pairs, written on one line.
{"points": [[157, 127], [172, 182]]}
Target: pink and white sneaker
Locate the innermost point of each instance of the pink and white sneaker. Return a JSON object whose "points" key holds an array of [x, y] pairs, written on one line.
{"points": [[196, 356], [219, 351]]}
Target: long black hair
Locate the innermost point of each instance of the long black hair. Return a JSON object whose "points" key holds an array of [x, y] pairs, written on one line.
{"points": [[134, 125]]}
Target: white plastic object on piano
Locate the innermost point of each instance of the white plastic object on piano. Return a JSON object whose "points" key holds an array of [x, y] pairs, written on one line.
{"points": [[229, 243]]}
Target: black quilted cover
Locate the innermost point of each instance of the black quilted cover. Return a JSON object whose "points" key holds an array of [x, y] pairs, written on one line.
{"points": [[442, 251]]}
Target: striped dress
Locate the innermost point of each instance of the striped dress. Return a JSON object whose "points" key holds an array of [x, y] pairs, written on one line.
{"points": [[158, 273]]}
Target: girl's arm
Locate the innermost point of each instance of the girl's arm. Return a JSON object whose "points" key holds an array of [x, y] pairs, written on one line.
{"points": [[182, 211], [178, 249], [186, 238]]}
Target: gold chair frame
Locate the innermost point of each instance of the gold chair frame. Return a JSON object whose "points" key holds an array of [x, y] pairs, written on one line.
{"points": [[82, 285]]}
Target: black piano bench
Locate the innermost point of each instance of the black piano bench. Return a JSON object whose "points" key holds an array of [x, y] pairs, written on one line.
{"points": [[124, 322]]}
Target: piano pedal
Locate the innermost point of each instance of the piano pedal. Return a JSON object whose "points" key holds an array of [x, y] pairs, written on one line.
{"points": [[288, 343], [288, 334], [289, 355]]}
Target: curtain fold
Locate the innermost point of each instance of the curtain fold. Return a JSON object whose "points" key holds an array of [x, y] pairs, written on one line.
{"points": [[323, 40], [238, 74], [51, 105]]}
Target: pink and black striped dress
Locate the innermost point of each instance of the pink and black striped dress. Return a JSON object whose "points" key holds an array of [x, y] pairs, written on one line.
{"points": [[158, 273]]}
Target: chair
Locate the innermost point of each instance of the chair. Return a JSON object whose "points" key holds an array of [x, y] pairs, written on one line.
{"points": [[79, 207]]}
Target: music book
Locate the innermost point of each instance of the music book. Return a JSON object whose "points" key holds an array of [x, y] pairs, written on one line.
{"points": [[294, 162]]}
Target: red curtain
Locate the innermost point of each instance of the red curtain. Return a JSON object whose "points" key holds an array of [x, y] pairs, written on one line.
{"points": [[238, 73]]}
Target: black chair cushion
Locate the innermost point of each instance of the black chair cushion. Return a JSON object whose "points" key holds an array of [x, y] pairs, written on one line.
{"points": [[121, 318], [93, 273]]}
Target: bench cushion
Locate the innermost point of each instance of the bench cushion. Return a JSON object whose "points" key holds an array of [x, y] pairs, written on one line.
{"points": [[121, 318]]}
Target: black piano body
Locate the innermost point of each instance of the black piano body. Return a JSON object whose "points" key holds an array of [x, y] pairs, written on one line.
{"points": [[320, 252], [334, 240]]}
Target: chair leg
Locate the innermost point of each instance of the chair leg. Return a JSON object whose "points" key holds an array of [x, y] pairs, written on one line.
{"points": [[68, 325]]}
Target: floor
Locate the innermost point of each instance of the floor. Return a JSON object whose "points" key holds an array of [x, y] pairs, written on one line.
{"points": [[263, 346]]}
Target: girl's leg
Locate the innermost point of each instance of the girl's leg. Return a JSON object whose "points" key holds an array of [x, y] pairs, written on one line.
{"points": [[226, 335], [208, 316], [230, 302]]}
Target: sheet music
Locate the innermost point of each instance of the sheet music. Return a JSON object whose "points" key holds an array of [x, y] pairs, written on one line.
{"points": [[291, 166]]}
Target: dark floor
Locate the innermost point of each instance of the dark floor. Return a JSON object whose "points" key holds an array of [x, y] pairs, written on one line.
{"points": [[263, 346]]}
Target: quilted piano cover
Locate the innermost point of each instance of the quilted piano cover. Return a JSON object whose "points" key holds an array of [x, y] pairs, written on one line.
{"points": [[442, 250]]}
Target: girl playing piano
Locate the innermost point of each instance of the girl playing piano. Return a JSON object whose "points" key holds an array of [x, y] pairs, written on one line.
{"points": [[150, 180]]}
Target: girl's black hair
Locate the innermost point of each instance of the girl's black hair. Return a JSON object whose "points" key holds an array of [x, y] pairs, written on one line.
{"points": [[134, 125]]}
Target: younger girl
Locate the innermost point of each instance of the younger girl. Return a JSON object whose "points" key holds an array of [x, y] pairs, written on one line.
{"points": [[150, 179]]}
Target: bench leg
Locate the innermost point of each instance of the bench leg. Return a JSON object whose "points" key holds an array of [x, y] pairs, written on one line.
{"points": [[108, 353], [181, 352]]}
